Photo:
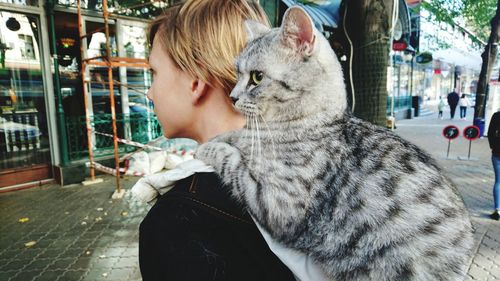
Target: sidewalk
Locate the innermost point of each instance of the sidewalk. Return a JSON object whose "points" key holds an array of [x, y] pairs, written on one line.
{"points": [[474, 180], [81, 234]]}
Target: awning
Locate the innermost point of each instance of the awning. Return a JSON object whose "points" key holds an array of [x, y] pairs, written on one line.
{"points": [[326, 14]]}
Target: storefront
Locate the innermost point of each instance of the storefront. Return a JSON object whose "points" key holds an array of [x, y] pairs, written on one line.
{"points": [[42, 112], [134, 113], [27, 145]]}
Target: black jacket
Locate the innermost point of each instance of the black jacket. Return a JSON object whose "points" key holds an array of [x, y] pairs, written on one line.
{"points": [[197, 232], [453, 99], [494, 134]]}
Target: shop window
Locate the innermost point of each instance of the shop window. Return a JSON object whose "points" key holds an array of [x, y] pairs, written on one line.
{"points": [[21, 2], [24, 137], [27, 48]]}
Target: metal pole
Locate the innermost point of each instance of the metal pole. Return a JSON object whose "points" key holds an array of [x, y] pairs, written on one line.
{"points": [[111, 93], [85, 83], [470, 144], [448, 153], [61, 123]]}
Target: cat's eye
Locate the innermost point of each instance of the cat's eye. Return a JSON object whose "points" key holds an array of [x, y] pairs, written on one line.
{"points": [[256, 77]]}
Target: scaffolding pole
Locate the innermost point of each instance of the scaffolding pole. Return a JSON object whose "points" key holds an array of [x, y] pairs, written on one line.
{"points": [[109, 62]]}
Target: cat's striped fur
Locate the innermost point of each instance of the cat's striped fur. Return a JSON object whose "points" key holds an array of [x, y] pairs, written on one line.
{"points": [[366, 204]]}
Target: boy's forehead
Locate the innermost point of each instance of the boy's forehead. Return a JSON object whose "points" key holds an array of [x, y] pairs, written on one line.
{"points": [[154, 54]]}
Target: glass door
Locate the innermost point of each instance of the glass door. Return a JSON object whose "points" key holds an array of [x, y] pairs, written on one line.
{"points": [[24, 141]]}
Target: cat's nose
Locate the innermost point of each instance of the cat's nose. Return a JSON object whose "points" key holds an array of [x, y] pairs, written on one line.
{"points": [[234, 100]]}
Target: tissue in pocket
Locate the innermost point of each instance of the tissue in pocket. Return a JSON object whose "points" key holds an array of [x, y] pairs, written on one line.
{"points": [[157, 161], [139, 162]]}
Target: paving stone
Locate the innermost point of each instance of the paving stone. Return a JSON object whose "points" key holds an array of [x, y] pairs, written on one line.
{"points": [[91, 235], [6, 275], [49, 275], [29, 254], [39, 264], [83, 244], [107, 262], [50, 254], [120, 274], [9, 254], [136, 274], [45, 243], [127, 262], [478, 273], [73, 253], [495, 271], [72, 275], [96, 274], [114, 251], [103, 241], [61, 264], [26, 275], [81, 263], [16, 265], [131, 251], [482, 260]]}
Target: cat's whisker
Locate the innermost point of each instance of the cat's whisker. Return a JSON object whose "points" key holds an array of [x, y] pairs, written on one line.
{"points": [[259, 144], [253, 139], [271, 137], [247, 128], [259, 141]]}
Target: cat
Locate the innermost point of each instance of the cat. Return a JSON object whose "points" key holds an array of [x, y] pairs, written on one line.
{"points": [[364, 203]]}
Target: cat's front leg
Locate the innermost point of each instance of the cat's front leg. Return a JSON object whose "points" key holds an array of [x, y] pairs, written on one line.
{"points": [[253, 189], [233, 170], [217, 155]]}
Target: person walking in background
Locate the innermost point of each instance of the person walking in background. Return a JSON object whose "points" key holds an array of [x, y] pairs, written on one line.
{"points": [[440, 107], [494, 141], [463, 103], [453, 99]]}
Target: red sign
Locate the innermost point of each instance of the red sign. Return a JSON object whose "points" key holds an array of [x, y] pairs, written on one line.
{"points": [[412, 3], [471, 132], [399, 46], [451, 132]]}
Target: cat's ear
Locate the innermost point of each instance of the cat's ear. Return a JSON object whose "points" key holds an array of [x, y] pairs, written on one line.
{"points": [[255, 29], [297, 31]]}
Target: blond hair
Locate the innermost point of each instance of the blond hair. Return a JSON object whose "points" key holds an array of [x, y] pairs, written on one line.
{"points": [[203, 37]]}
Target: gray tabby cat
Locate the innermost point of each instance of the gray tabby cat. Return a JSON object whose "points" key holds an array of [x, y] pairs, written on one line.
{"points": [[364, 203]]}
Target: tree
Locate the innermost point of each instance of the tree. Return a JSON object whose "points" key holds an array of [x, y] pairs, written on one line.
{"points": [[484, 20], [368, 26], [489, 57]]}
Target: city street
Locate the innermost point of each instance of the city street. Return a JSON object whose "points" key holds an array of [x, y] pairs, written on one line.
{"points": [[78, 233]]}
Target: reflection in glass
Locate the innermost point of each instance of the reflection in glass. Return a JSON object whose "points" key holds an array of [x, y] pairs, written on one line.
{"points": [[21, 2], [132, 8], [23, 124]]}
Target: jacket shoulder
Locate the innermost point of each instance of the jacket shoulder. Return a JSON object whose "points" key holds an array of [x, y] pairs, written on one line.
{"points": [[197, 232]]}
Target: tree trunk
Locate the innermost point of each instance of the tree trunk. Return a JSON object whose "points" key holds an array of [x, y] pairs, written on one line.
{"points": [[489, 56], [368, 24]]}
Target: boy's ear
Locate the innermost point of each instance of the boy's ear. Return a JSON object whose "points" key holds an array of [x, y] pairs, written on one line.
{"points": [[199, 89]]}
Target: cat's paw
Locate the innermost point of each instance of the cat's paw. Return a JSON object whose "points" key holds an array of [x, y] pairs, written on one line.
{"points": [[215, 154], [225, 137]]}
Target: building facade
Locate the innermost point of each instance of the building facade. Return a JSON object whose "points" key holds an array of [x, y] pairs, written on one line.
{"points": [[455, 63], [43, 135], [42, 110]]}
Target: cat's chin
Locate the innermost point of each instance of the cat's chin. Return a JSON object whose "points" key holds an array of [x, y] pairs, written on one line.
{"points": [[247, 109]]}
